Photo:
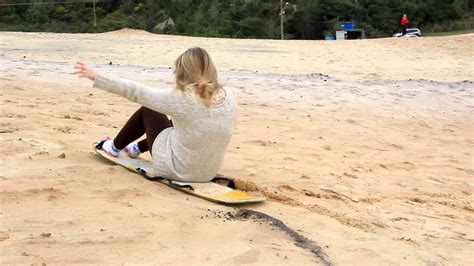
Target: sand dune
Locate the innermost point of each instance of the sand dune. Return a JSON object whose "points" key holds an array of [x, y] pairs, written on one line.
{"points": [[372, 167], [434, 58]]}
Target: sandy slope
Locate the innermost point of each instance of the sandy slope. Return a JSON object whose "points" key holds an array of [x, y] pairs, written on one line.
{"points": [[436, 58], [371, 169]]}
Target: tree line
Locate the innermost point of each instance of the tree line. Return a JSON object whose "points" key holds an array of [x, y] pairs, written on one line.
{"points": [[303, 19]]}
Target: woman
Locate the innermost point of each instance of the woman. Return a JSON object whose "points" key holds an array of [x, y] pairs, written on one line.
{"points": [[192, 146]]}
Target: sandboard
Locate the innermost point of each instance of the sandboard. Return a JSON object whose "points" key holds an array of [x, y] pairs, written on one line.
{"points": [[219, 190]]}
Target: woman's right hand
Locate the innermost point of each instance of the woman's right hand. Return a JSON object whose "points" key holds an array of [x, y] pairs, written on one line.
{"points": [[84, 71]]}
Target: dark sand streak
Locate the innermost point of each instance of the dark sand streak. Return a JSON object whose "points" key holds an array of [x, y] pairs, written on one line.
{"points": [[300, 241]]}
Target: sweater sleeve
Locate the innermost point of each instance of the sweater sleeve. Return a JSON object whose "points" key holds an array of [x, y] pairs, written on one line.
{"points": [[166, 101]]}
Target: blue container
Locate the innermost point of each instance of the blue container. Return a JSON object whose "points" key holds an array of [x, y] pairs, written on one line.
{"points": [[348, 25], [329, 38]]}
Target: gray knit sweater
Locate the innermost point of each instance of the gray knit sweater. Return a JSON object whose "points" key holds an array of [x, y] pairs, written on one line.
{"points": [[193, 149]]}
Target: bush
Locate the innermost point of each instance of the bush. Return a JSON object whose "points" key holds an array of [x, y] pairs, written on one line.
{"points": [[37, 14], [59, 11], [113, 21]]}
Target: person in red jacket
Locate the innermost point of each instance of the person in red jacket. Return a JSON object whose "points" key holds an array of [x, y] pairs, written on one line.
{"points": [[404, 22]]}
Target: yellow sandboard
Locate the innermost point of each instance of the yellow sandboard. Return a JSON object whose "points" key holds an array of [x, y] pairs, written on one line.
{"points": [[219, 190]]}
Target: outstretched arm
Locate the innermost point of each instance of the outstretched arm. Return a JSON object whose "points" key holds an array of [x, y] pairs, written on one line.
{"points": [[84, 71], [168, 101]]}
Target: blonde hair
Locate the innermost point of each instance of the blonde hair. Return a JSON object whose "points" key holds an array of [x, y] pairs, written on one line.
{"points": [[194, 69]]}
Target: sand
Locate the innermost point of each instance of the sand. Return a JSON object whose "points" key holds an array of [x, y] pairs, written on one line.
{"points": [[364, 148]]}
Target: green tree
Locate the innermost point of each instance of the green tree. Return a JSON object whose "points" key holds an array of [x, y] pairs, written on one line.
{"points": [[242, 18], [37, 14]]}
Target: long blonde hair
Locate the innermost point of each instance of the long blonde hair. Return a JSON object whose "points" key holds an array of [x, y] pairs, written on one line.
{"points": [[194, 69]]}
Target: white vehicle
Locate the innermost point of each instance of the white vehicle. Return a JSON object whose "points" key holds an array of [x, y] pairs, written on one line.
{"points": [[411, 32]]}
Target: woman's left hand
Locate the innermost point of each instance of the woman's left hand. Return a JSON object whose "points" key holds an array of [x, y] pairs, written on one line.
{"points": [[84, 71]]}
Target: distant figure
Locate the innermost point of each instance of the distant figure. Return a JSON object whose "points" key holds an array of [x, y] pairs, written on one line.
{"points": [[404, 22]]}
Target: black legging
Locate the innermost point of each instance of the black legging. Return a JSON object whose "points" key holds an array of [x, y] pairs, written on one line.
{"points": [[143, 121]]}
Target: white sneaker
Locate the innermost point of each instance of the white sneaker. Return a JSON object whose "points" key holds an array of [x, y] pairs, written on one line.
{"points": [[133, 150], [109, 148]]}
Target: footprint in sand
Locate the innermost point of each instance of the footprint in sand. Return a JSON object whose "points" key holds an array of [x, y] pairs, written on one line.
{"points": [[72, 117], [264, 143], [400, 147], [127, 193], [326, 147], [50, 194], [7, 128], [4, 236], [42, 144], [247, 257], [66, 130]]}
